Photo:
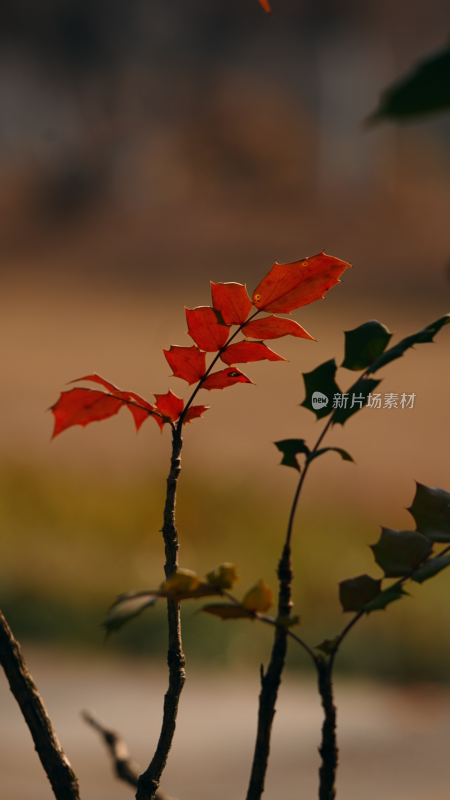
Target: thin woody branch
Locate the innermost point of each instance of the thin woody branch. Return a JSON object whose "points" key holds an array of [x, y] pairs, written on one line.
{"points": [[328, 748], [124, 767], [56, 764], [148, 782]]}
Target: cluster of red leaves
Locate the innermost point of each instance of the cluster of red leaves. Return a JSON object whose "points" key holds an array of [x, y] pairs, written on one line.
{"points": [[285, 288]]}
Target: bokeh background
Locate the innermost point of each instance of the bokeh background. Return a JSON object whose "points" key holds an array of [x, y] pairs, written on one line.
{"points": [[146, 148]]}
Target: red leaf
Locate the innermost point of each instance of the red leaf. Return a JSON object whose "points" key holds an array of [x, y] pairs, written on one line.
{"points": [[139, 414], [224, 378], [233, 302], [193, 412], [289, 286], [244, 352], [82, 406], [188, 363], [266, 6], [206, 329], [274, 327], [170, 407]]}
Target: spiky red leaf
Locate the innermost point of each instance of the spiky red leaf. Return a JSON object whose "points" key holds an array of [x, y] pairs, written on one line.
{"points": [[273, 328], [233, 302], [139, 414], [82, 406], [194, 412], [170, 407], [290, 286], [188, 363], [206, 328], [244, 352], [225, 378]]}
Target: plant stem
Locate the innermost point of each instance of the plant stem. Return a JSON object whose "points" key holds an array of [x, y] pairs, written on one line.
{"points": [[270, 682], [56, 764], [328, 748], [149, 780]]}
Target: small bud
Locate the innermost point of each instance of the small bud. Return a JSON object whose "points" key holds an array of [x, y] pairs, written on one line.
{"points": [[224, 576], [183, 580], [258, 598]]}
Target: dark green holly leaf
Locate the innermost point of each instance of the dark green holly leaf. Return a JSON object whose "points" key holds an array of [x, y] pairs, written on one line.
{"points": [[343, 453], [328, 645], [384, 598], [364, 344], [320, 388], [399, 552], [424, 90], [430, 568], [431, 512], [127, 607], [424, 336], [354, 593], [290, 448], [227, 611], [354, 400]]}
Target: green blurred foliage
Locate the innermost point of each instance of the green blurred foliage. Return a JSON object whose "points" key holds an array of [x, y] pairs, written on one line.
{"points": [[70, 544]]}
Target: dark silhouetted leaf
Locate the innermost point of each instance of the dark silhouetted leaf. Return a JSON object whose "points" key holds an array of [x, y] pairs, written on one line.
{"points": [[274, 328], [244, 352], [424, 336], [224, 576], [290, 449], [328, 645], [364, 344], [384, 598], [343, 453], [319, 384], [233, 302], [194, 412], [430, 568], [206, 328], [288, 621], [354, 593], [227, 611], [424, 90], [126, 608], [356, 400], [258, 598], [431, 512], [225, 378], [188, 363], [399, 552], [290, 286]]}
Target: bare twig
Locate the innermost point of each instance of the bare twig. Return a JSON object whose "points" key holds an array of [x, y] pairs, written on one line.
{"points": [[148, 782], [56, 764], [328, 748], [125, 768]]}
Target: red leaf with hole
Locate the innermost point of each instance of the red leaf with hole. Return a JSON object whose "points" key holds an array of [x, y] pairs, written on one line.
{"points": [[206, 328], [188, 363], [82, 406], [290, 286], [139, 414], [233, 302], [194, 412], [170, 407], [224, 378], [273, 328], [244, 352]]}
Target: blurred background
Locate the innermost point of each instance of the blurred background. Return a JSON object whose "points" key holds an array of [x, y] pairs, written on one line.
{"points": [[146, 148]]}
